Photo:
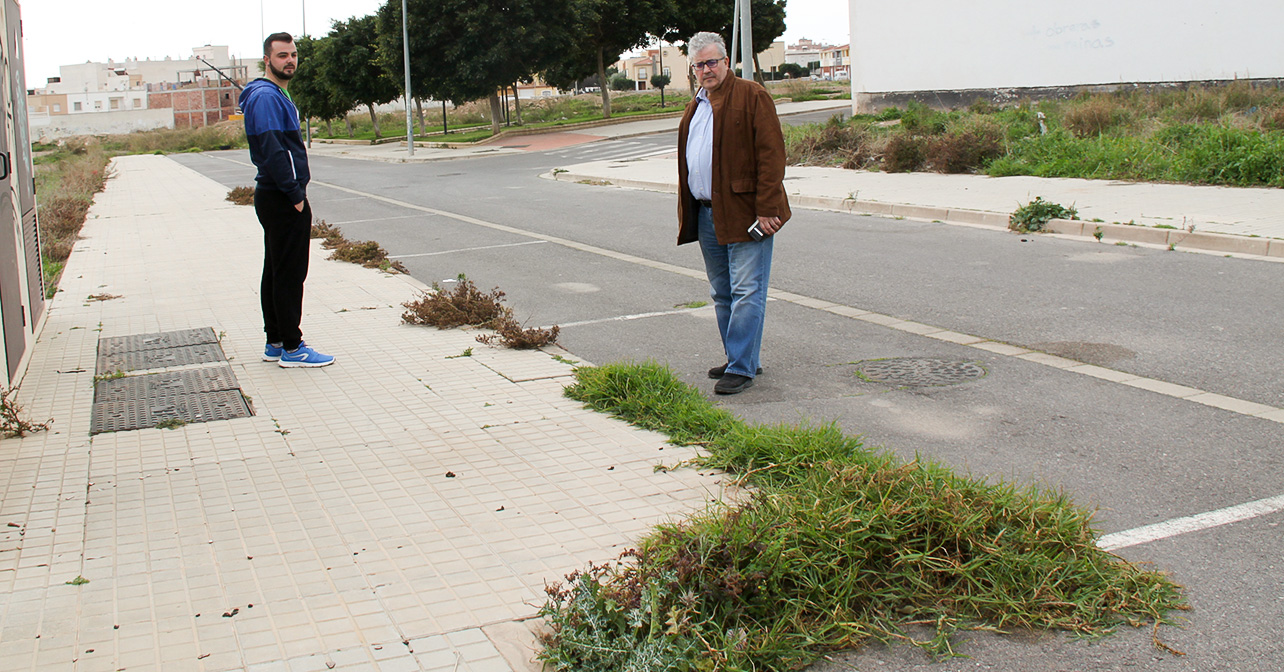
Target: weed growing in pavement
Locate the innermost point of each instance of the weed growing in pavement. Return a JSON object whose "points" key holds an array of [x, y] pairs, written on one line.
{"points": [[1098, 234], [692, 304], [12, 424], [114, 375], [465, 305], [104, 296], [365, 252], [510, 334], [468, 352], [1036, 214], [837, 544], [568, 362], [171, 423], [78, 581], [241, 195]]}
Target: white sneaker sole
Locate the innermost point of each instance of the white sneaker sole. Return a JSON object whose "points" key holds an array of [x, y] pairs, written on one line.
{"points": [[287, 364], [271, 359]]}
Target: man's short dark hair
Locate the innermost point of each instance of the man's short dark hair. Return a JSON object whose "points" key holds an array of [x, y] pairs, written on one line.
{"points": [[275, 37]]}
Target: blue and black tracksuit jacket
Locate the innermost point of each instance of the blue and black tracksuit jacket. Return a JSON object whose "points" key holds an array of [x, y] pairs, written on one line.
{"points": [[276, 146]]}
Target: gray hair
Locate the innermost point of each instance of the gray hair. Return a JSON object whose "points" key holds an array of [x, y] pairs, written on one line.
{"points": [[700, 41]]}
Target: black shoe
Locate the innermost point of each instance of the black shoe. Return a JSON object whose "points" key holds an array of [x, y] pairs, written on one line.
{"points": [[733, 383], [717, 371]]}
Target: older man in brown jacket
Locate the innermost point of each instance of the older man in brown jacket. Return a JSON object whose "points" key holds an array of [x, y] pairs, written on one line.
{"points": [[731, 198]]}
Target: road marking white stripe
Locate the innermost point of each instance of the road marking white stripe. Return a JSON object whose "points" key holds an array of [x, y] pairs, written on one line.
{"points": [[622, 318], [376, 219], [1201, 521], [466, 249]]}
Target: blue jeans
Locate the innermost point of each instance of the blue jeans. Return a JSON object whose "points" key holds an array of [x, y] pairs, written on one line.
{"points": [[738, 277]]}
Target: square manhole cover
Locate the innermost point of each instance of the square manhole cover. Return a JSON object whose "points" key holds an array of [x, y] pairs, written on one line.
{"points": [[157, 341], [120, 416], [168, 384]]}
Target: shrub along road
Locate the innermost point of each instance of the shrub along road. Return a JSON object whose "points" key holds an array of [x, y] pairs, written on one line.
{"points": [[601, 263]]}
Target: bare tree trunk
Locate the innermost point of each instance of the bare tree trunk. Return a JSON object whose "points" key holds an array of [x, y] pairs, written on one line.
{"points": [[517, 105], [329, 128], [419, 107], [691, 82], [348, 120], [496, 114], [757, 71], [606, 86], [374, 119]]}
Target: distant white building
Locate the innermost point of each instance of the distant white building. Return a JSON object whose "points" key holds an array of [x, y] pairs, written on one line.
{"points": [[123, 96]]}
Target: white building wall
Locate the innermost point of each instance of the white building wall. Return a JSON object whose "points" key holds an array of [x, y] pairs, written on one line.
{"points": [[46, 127], [933, 45]]}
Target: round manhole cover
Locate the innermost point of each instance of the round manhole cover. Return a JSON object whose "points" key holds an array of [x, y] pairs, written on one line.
{"points": [[920, 371]]}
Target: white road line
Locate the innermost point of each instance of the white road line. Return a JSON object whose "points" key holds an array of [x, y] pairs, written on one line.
{"points": [[376, 219], [622, 318], [1201, 521], [466, 249]]}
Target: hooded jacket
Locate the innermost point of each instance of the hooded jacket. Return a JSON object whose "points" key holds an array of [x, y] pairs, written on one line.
{"points": [[276, 146], [748, 163]]}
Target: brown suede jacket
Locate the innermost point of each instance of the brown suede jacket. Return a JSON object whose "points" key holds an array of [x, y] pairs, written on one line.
{"points": [[748, 162]]}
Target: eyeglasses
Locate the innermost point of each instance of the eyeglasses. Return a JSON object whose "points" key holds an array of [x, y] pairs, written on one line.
{"points": [[706, 65]]}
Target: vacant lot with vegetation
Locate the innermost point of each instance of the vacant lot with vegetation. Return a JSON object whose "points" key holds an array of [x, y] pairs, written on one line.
{"points": [[1229, 135], [70, 172]]}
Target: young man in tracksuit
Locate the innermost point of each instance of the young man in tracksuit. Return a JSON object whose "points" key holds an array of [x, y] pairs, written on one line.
{"points": [[281, 203]]}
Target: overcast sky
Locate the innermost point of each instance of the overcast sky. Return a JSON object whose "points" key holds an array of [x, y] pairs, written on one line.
{"points": [[63, 32]]}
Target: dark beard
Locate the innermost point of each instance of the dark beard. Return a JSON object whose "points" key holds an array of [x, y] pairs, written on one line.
{"points": [[280, 75]]}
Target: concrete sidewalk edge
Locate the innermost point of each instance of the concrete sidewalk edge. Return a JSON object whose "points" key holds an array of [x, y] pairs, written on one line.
{"points": [[1270, 249]]}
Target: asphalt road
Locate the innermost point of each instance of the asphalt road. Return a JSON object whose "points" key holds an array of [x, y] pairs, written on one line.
{"points": [[1202, 321]]}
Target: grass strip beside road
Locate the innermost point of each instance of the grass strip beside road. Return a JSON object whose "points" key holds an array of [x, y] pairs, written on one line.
{"points": [[1227, 135], [837, 544]]}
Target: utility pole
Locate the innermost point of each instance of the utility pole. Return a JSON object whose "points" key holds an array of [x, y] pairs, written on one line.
{"points": [[746, 42], [405, 48], [307, 121]]}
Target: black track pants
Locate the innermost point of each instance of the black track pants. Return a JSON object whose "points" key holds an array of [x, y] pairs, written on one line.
{"points": [[286, 234]]}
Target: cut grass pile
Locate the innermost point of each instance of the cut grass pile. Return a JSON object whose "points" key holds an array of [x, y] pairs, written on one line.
{"points": [[465, 305], [1227, 135], [836, 545]]}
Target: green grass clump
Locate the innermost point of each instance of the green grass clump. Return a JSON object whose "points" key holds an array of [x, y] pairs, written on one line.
{"points": [[838, 544]]}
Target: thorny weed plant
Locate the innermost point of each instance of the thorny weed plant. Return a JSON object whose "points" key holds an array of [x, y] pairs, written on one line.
{"points": [[466, 305], [12, 422]]}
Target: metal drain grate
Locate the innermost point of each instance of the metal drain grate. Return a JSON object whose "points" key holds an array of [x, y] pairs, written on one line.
{"points": [[120, 416], [190, 381], [137, 360], [920, 371], [157, 341], [191, 395]]}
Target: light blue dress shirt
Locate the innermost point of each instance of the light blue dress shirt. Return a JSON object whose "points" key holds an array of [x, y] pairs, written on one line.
{"points": [[700, 149]]}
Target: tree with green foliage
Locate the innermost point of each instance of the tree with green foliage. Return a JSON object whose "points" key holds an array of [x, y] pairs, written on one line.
{"points": [[311, 93], [350, 66], [604, 30], [793, 70], [687, 19], [463, 50]]}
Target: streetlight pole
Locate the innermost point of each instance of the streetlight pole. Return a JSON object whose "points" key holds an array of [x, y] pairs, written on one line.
{"points": [[405, 48], [307, 122], [746, 42]]}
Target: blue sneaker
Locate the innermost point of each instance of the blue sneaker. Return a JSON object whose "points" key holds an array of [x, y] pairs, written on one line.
{"points": [[272, 353], [303, 356]]}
